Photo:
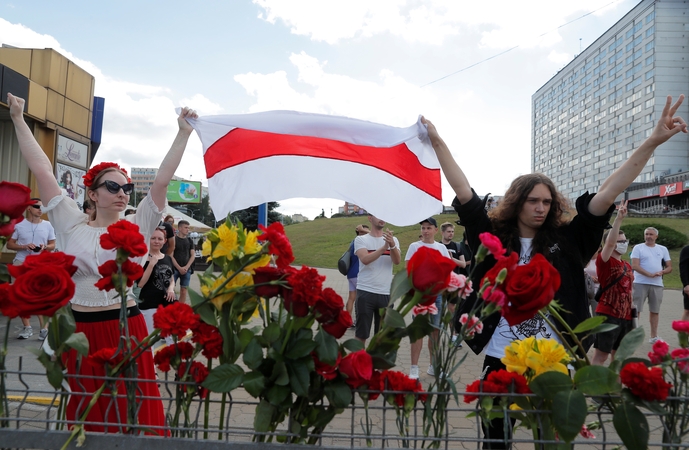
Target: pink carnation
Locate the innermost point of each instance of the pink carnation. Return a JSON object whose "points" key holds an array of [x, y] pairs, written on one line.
{"points": [[457, 281], [493, 244], [473, 322], [681, 326], [495, 295], [420, 310]]}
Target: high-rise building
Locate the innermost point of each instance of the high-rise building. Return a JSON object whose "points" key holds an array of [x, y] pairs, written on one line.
{"points": [[588, 119], [143, 177]]}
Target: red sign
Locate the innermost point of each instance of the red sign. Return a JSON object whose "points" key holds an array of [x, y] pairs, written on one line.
{"points": [[671, 189]]}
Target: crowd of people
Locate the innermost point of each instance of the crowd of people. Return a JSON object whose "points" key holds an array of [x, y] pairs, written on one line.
{"points": [[530, 219]]}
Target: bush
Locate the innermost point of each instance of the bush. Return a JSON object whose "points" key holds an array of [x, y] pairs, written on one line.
{"points": [[667, 236]]}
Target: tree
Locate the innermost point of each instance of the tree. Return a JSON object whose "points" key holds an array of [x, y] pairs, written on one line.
{"points": [[249, 216]]}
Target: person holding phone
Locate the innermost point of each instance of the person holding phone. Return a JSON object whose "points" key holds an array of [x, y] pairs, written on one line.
{"points": [[30, 237]]}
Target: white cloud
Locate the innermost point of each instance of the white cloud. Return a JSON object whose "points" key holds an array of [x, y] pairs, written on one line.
{"points": [[500, 23], [560, 57]]}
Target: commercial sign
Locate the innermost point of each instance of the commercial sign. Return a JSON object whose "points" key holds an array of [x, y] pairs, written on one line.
{"points": [[184, 191], [671, 189], [72, 152]]}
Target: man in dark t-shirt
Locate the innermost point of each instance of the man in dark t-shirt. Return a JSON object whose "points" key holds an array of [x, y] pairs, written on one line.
{"points": [[183, 258]]}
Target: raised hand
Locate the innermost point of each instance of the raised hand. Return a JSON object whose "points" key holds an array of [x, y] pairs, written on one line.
{"points": [[669, 125], [16, 105], [622, 210], [187, 113]]}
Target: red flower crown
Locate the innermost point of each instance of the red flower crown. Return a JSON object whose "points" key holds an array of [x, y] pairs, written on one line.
{"points": [[92, 174]]}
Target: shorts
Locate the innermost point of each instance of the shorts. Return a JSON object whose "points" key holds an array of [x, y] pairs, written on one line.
{"points": [[610, 340], [185, 279], [352, 284], [368, 307], [435, 318], [654, 294]]}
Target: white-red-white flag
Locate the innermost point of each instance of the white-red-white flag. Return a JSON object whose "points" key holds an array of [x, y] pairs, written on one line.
{"points": [[391, 172]]}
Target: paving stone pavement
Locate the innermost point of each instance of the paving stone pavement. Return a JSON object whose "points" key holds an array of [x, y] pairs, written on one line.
{"points": [[243, 414]]}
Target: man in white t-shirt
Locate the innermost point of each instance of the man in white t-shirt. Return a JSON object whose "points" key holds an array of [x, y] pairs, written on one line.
{"points": [[429, 228], [377, 252], [30, 237], [650, 262]]}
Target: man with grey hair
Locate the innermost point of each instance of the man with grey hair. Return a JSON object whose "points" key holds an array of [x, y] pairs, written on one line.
{"points": [[650, 262]]}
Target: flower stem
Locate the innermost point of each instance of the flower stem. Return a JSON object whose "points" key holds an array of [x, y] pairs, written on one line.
{"points": [[576, 340]]}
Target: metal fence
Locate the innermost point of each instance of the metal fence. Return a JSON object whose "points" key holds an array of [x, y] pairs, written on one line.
{"points": [[37, 421]]}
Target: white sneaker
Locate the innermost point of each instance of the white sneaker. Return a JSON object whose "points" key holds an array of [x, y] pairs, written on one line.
{"points": [[653, 340], [26, 333], [414, 372], [42, 334], [431, 371]]}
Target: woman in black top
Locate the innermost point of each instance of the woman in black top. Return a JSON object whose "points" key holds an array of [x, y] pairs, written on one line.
{"points": [[156, 283]]}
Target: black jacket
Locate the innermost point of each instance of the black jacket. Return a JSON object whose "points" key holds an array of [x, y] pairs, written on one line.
{"points": [[578, 240]]}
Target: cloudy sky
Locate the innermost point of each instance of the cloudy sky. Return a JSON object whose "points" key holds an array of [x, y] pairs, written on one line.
{"points": [[470, 67]]}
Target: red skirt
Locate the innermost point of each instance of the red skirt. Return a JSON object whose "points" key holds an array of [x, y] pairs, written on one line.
{"points": [[110, 415]]}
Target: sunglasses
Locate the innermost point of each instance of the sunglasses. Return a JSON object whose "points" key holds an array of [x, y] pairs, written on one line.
{"points": [[114, 188], [36, 206]]}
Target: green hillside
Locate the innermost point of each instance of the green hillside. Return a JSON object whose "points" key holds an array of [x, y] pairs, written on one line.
{"points": [[321, 242]]}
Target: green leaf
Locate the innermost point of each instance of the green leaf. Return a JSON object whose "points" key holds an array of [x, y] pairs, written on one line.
{"points": [[55, 375], [548, 384], [224, 378], [420, 327], [394, 319], [299, 378], [353, 345], [254, 383], [253, 355], [196, 299], [78, 342], [300, 348], [589, 324], [280, 375], [326, 347], [207, 313], [631, 425], [597, 380], [603, 328], [629, 344], [569, 413], [339, 394], [272, 332], [245, 336], [277, 394], [264, 416], [400, 286]]}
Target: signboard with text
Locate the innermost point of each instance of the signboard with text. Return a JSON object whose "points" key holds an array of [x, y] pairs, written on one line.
{"points": [[184, 192], [72, 152], [671, 189]]}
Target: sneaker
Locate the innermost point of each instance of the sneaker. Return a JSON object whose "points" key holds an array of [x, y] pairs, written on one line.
{"points": [[431, 371], [42, 334], [653, 340], [414, 372], [26, 333]]}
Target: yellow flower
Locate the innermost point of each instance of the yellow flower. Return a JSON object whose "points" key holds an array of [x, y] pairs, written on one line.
{"points": [[253, 246], [515, 407], [548, 356], [206, 249], [227, 294], [228, 242], [516, 354]]}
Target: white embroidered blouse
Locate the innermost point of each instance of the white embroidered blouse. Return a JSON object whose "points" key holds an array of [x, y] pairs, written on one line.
{"points": [[75, 237]]}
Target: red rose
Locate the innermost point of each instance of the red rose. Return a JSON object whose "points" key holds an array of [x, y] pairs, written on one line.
{"points": [[131, 270], [15, 199], [109, 356], [48, 259], [266, 275], [683, 354], [42, 291], [198, 373], [175, 319], [680, 326], [327, 371], [298, 308], [7, 307], [278, 245], [172, 355], [126, 236], [307, 285], [6, 229], [339, 326], [644, 382], [398, 381], [429, 271], [329, 305], [492, 243], [509, 263], [530, 288], [209, 338], [357, 367]]}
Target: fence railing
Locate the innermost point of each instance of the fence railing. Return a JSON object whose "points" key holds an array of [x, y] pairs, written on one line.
{"points": [[36, 419]]}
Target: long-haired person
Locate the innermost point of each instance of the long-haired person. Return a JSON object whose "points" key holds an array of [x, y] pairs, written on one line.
{"points": [[157, 283], [97, 312], [532, 219]]}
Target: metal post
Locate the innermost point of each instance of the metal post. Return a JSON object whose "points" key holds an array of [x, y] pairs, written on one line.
{"points": [[263, 214]]}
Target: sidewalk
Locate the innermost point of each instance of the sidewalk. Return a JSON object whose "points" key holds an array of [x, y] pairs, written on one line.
{"points": [[671, 310]]}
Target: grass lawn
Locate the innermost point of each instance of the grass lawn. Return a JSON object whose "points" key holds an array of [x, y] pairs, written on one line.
{"points": [[321, 242]]}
